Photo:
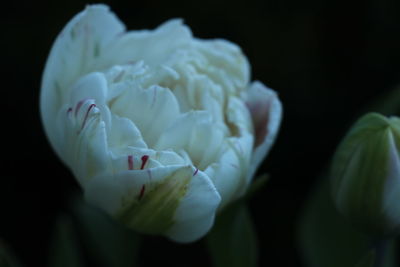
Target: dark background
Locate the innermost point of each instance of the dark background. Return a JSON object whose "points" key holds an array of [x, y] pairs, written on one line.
{"points": [[327, 60]]}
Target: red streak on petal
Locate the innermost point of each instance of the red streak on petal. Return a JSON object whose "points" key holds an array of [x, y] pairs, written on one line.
{"points": [[141, 192], [130, 162], [87, 114], [79, 105], [144, 160], [196, 171]]}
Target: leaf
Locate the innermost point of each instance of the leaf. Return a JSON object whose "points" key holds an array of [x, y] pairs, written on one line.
{"points": [[65, 250], [7, 258], [326, 238], [106, 242], [232, 241]]}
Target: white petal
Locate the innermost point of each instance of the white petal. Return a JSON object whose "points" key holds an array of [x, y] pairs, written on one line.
{"points": [[84, 147], [112, 191], [74, 54], [227, 65], [124, 134], [195, 214], [195, 133], [152, 110], [86, 100], [92, 86], [266, 112], [229, 173], [189, 216], [153, 47], [132, 158]]}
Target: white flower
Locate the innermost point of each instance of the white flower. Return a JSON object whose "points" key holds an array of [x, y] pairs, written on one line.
{"points": [[159, 128]]}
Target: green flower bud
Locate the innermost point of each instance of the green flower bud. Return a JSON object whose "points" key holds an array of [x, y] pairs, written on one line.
{"points": [[366, 175]]}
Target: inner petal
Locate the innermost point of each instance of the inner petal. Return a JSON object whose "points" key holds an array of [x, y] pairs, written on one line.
{"points": [[195, 133], [152, 110]]}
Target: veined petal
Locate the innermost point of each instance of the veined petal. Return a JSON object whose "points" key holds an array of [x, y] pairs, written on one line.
{"points": [[136, 158], [266, 112], [86, 102], [150, 200], [84, 147], [114, 192], [92, 86], [196, 211], [74, 54]]}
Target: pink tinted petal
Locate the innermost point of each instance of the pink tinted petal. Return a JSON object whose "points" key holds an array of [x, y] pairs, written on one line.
{"points": [[266, 112]]}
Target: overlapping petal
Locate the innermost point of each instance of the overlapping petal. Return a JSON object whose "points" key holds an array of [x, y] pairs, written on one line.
{"points": [[160, 129]]}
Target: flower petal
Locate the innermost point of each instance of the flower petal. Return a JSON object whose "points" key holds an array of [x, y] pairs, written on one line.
{"points": [[114, 191], [229, 173], [195, 133], [124, 134], [154, 47], [152, 110], [74, 54], [266, 112], [84, 147], [226, 64], [196, 211], [158, 200]]}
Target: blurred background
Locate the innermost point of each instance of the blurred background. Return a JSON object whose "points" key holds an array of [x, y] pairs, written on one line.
{"points": [[328, 60]]}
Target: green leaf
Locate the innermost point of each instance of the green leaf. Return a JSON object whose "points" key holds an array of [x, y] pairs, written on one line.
{"points": [[7, 258], [107, 243], [64, 249], [232, 242], [326, 238]]}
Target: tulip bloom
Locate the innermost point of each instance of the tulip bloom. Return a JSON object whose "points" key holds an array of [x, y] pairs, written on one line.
{"points": [[160, 129], [366, 175]]}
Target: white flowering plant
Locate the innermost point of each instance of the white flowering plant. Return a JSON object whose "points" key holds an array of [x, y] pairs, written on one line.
{"points": [[162, 130]]}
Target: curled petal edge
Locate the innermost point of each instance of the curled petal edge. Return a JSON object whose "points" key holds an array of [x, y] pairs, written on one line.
{"points": [[266, 112]]}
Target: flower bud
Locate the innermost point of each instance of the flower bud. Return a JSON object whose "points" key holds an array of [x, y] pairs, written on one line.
{"points": [[366, 175]]}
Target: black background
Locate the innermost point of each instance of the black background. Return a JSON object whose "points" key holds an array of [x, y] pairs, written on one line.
{"points": [[327, 60]]}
